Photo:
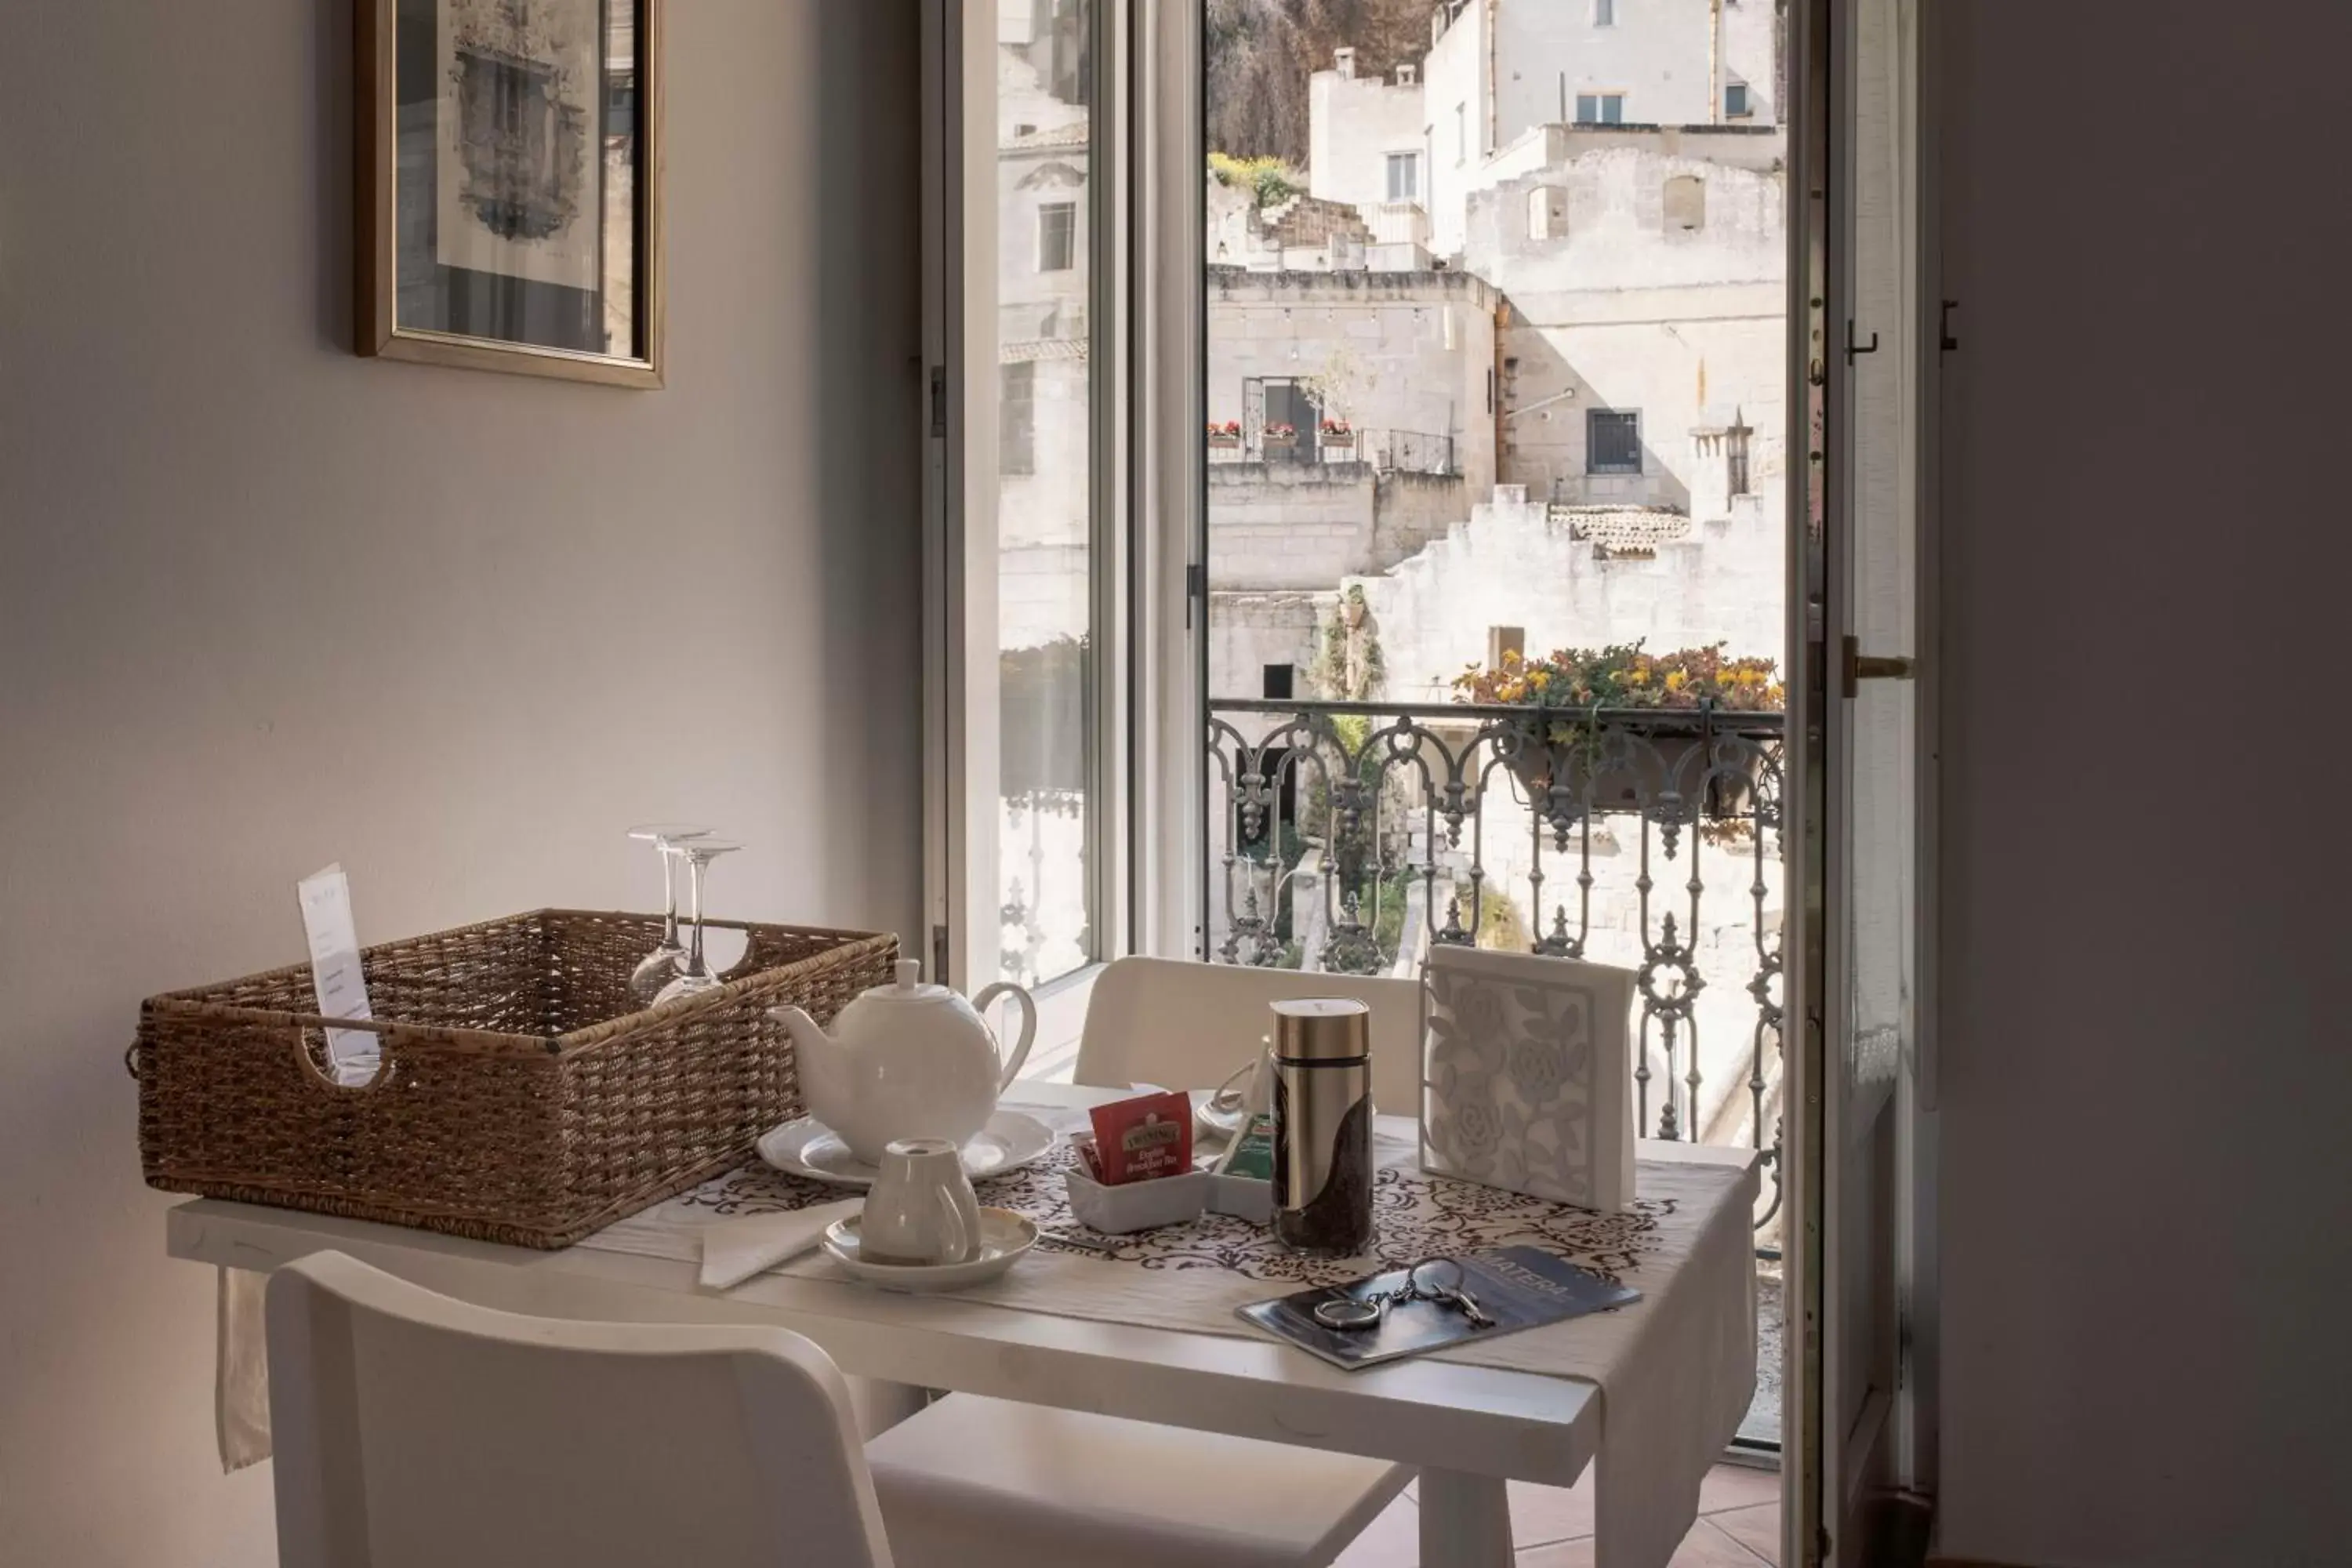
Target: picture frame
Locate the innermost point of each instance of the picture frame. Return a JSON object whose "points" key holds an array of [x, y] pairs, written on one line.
{"points": [[507, 200]]}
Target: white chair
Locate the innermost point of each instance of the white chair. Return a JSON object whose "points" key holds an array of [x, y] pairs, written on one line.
{"points": [[415, 1430], [1188, 1025]]}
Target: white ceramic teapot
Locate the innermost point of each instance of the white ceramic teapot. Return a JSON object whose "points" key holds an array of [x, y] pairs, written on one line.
{"points": [[909, 1060]]}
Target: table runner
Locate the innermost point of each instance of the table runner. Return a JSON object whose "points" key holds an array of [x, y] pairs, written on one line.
{"points": [[1675, 1368]]}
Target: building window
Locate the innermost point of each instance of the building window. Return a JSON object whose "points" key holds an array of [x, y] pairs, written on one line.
{"points": [[1613, 441], [1686, 202], [1604, 13], [1735, 100], [1547, 213], [1461, 134], [1404, 177], [1735, 462], [1057, 235], [1277, 681], [1016, 417], [1600, 108], [1505, 642]]}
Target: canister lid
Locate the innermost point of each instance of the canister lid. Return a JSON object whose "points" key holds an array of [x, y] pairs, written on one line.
{"points": [[1322, 1030]]}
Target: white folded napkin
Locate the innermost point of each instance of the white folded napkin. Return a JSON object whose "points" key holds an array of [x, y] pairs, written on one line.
{"points": [[735, 1250]]}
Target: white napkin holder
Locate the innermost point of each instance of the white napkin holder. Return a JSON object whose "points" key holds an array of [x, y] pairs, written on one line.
{"points": [[1527, 1075]]}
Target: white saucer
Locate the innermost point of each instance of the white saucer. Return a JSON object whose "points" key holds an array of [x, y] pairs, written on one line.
{"points": [[1003, 1238], [807, 1147]]}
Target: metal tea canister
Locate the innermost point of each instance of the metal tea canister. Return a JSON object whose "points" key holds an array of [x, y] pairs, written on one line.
{"points": [[1323, 1126]]}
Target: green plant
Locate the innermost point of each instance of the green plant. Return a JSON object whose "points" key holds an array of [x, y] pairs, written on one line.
{"points": [[1270, 180]]}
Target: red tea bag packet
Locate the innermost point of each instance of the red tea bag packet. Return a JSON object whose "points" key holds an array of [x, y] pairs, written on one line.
{"points": [[1139, 1138]]}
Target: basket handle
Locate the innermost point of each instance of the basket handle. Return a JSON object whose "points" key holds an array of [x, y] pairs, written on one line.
{"points": [[384, 1033]]}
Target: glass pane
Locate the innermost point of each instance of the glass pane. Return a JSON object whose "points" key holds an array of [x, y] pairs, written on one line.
{"points": [[519, 133], [1044, 515], [1881, 758]]}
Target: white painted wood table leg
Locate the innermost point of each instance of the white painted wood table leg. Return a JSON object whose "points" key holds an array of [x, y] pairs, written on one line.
{"points": [[1465, 1520]]}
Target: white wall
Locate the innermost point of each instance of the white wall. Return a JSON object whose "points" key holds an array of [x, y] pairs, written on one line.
{"points": [[1354, 122], [2145, 1073], [264, 605], [1656, 54]]}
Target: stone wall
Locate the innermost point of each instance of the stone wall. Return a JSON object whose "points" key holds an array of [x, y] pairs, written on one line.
{"points": [[1513, 565]]}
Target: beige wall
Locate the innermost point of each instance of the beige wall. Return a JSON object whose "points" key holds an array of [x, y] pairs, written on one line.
{"points": [[264, 605], [2145, 1204]]}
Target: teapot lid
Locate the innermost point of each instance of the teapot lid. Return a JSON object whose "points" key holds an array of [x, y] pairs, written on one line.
{"points": [[910, 986]]}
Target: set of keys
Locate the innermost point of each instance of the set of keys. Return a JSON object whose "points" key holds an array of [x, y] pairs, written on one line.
{"points": [[1369, 1312]]}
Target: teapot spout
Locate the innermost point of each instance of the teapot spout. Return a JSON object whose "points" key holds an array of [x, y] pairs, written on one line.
{"points": [[813, 1050]]}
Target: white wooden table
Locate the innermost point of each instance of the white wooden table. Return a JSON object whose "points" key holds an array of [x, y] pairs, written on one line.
{"points": [[1468, 1429]]}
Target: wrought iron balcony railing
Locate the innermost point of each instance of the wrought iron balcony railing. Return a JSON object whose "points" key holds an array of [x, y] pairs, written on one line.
{"points": [[1348, 837]]}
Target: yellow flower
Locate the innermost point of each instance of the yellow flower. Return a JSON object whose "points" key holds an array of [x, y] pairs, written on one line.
{"points": [[1676, 680]]}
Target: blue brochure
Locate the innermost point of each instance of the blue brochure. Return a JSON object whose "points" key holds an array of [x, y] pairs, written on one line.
{"points": [[1516, 1286]]}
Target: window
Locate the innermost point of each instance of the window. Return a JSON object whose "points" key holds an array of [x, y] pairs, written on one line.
{"points": [[1016, 418], [1278, 680], [1404, 177], [1504, 641], [1604, 13], [1057, 235], [1735, 462], [1547, 213], [1600, 108], [1735, 100], [1461, 134], [1613, 441], [1686, 202]]}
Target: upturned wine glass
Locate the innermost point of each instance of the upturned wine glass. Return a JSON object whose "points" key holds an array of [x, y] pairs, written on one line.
{"points": [[660, 966], [693, 975]]}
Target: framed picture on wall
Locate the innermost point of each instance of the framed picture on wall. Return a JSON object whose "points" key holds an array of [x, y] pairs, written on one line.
{"points": [[509, 206]]}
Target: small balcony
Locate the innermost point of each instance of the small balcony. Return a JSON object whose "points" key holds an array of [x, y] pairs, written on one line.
{"points": [[1397, 223]]}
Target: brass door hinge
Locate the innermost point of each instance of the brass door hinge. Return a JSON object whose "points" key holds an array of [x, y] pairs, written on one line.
{"points": [[1860, 666]]}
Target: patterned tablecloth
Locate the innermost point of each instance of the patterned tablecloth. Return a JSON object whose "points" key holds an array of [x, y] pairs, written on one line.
{"points": [[1676, 1368]]}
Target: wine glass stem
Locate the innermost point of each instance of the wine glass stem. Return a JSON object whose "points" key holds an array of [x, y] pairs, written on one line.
{"points": [[694, 866], [669, 898]]}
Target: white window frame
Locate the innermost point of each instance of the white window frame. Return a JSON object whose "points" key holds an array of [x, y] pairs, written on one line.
{"points": [[1045, 262], [960, 199], [1601, 99], [1410, 161]]}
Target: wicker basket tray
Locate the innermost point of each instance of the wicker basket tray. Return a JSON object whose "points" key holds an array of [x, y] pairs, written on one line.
{"points": [[524, 1097]]}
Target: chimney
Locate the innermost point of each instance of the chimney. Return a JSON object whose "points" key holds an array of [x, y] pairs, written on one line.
{"points": [[1345, 60]]}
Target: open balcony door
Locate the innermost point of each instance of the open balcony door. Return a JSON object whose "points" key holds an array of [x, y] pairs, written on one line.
{"points": [[1025, 553], [1864, 1254]]}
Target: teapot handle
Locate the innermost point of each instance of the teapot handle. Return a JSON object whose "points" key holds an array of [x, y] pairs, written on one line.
{"points": [[1028, 1005]]}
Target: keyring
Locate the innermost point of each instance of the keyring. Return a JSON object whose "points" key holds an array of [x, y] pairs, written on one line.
{"points": [[1348, 1314]]}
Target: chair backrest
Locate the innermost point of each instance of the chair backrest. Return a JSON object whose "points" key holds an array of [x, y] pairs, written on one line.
{"points": [[1188, 1025], [415, 1431]]}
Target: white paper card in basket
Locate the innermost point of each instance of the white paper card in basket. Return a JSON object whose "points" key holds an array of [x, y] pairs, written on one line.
{"points": [[1527, 1079]]}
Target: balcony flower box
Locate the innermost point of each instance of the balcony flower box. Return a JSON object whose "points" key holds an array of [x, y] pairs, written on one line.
{"points": [[1282, 435], [1336, 435], [1626, 758], [1225, 436]]}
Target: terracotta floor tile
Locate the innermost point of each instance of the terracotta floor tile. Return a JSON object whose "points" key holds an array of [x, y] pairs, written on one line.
{"points": [[1704, 1547], [1392, 1541], [1737, 1485], [1758, 1529], [1544, 1514]]}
